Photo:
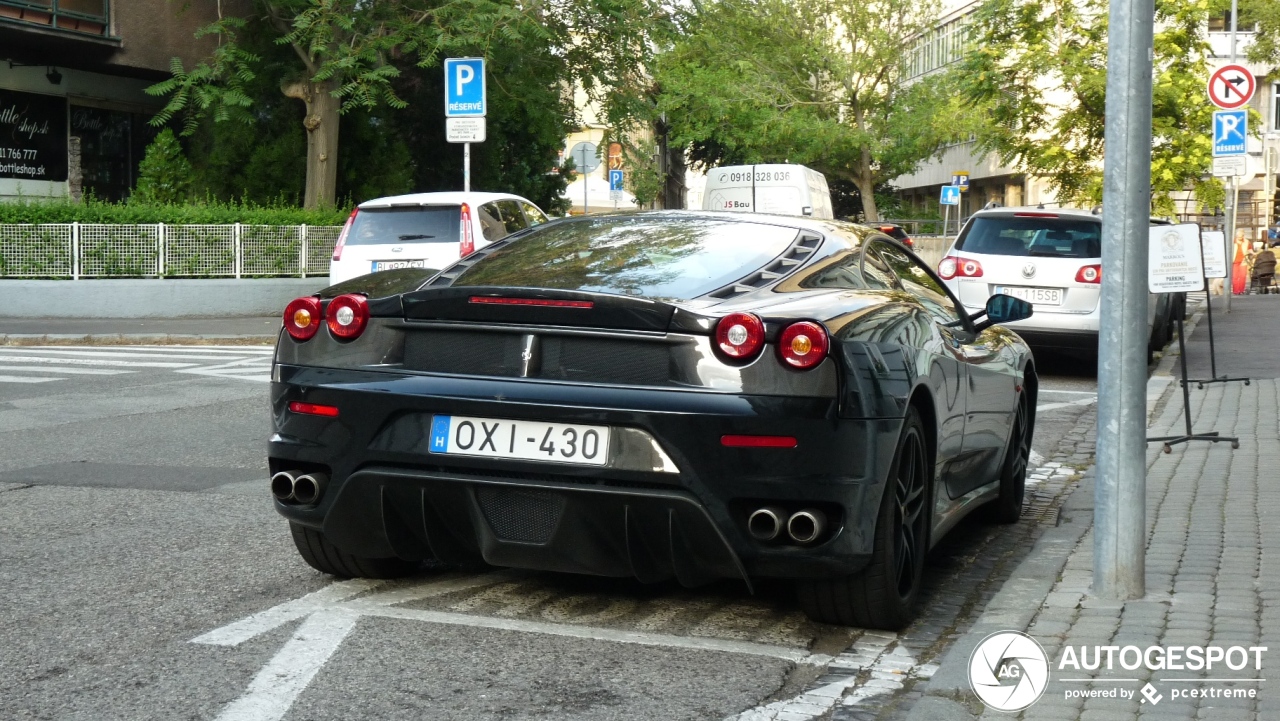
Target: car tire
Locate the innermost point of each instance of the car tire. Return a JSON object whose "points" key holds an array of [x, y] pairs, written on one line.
{"points": [[1007, 507], [883, 595], [325, 557]]}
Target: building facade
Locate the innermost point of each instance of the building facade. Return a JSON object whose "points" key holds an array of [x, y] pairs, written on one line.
{"points": [[73, 74], [990, 180]]}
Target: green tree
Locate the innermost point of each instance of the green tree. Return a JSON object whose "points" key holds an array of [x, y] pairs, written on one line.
{"points": [[760, 81], [347, 54], [1265, 15], [164, 175], [1038, 72]]}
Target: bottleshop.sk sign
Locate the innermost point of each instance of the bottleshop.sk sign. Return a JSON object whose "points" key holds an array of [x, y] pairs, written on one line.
{"points": [[33, 136]]}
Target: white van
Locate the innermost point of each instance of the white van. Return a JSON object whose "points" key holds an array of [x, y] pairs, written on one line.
{"points": [[780, 189]]}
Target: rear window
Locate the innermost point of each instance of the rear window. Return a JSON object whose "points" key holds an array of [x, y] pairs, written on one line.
{"points": [[422, 224], [653, 257], [1036, 237]]}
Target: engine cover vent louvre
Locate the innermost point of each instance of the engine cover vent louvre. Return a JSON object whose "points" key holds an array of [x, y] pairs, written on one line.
{"points": [[799, 251]]}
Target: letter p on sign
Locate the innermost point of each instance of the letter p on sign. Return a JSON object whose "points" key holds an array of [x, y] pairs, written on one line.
{"points": [[464, 88]]}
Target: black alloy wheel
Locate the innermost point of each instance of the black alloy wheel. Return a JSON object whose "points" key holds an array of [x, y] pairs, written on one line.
{"points": [[883, 595], [1007, 508], [908, 515]]}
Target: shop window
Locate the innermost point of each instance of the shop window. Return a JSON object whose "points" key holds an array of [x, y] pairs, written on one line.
{"points": [[112, 144]]}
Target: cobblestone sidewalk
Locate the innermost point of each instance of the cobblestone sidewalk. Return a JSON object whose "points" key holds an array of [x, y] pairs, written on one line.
{"points": [[1213, 525]]}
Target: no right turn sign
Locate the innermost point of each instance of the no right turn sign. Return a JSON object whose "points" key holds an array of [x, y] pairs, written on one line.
{"points": [[1231, 86]]}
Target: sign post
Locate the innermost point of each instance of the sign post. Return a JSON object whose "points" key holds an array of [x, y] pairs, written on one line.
{"points": [[950, 197], [1213, 248], [465, 106], [1120, 496], [586, 157], [1230, 87]]}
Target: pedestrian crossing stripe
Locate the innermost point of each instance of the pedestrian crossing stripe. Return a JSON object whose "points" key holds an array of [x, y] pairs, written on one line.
{"points": [[45, 364]]}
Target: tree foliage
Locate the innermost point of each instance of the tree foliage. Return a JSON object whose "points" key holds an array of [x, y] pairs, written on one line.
{"points": [[1038, 72], [346, 56], [1265, 15], [758, 81], [164, 175]]}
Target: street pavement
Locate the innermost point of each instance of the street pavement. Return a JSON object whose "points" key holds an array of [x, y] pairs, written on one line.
{"points": [[147, 576], [1212, 561], [138, 330]]}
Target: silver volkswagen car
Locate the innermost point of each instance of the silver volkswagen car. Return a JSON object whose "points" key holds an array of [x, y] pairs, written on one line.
{"points": [[1051, 258]]}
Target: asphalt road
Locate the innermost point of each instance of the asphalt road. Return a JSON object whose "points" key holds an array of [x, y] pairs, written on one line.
{"points": [[147, 576]]}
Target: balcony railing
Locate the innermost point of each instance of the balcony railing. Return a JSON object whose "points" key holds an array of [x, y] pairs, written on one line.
{"points": [[91, 17]]}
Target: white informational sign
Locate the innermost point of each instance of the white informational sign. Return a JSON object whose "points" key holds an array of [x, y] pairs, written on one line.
{"points": [[1214, 248], [464, 130], [1174, 260], [1230, 166]]}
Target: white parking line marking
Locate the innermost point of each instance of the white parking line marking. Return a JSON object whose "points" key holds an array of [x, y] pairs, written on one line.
{"points": [[1070, 393], [332, 612], [280, 682], [1055, 406], [28, 379]]}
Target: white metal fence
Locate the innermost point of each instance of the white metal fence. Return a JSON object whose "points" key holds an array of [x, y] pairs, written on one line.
{"points": [[83, 250]]}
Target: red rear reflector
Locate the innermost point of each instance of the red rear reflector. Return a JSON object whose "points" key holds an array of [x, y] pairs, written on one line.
{"points": [[312, 409], [1035, 215], [758, 441], [494, 300]]}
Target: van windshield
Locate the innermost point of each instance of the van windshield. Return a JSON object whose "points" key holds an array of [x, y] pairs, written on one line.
{"points": [[1048, 237], [418, 224]]}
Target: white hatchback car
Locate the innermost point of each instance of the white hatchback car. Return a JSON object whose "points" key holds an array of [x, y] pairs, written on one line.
{"points": [[1049, 258], [425, 230]]}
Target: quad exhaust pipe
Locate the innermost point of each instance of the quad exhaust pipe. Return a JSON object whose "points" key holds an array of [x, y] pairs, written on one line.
{"points": [[308, 488], [765, 523], [803, 527], [806, 526], [282, 485], [298, 487]]}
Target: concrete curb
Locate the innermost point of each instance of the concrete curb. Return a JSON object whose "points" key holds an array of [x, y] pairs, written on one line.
{"points": [[136, 339], [947, 694]]}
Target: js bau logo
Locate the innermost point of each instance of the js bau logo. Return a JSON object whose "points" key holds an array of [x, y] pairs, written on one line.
{"points": [[1009, 670]]}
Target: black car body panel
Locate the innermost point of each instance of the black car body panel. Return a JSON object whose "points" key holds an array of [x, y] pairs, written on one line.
{"points": [[672, 500]]}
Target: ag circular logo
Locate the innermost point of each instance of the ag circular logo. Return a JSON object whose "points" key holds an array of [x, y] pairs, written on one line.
{"points": [[1008, 671]]}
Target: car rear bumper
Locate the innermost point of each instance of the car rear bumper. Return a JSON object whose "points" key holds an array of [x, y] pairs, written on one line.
{"points": [[388, 497]]}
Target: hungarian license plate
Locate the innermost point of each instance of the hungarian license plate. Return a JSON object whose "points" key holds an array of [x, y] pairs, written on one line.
{"points": [[523, 440], [1035, 296], [397, 264]]}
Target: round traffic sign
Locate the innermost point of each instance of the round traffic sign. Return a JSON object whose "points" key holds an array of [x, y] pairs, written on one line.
{"points": [[1231, 86], [585, 157]]}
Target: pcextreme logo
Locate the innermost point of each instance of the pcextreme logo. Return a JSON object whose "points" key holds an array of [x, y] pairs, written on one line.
{"points": [[1008, 671]]}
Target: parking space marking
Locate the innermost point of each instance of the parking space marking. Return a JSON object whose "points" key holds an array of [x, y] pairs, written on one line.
{"points": [[64, 370], [1067, 404], [331, 613]]}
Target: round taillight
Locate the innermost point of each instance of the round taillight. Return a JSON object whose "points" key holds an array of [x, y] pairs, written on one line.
{"points": [[347, 316], [740, 335], [803, 345], [947, 268], [302, 318], [971, 269]]}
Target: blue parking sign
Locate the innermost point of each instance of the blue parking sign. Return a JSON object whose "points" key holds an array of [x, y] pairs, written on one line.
{"points": [[950, 195], [464, 88], [615, 180], [1230, 128]]}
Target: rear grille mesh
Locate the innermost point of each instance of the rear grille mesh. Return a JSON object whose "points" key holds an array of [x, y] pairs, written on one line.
{"points": [[524, 515], [570, 358]]}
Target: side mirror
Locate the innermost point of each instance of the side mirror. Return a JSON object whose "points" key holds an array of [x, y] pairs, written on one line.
{"points": [[1003, 309]]}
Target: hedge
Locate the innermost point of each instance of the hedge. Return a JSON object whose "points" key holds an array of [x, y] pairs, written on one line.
{"points": [[201, 213]]}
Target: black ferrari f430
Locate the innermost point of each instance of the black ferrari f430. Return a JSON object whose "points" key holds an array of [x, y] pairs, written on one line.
{"points": [[668, 395]]}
